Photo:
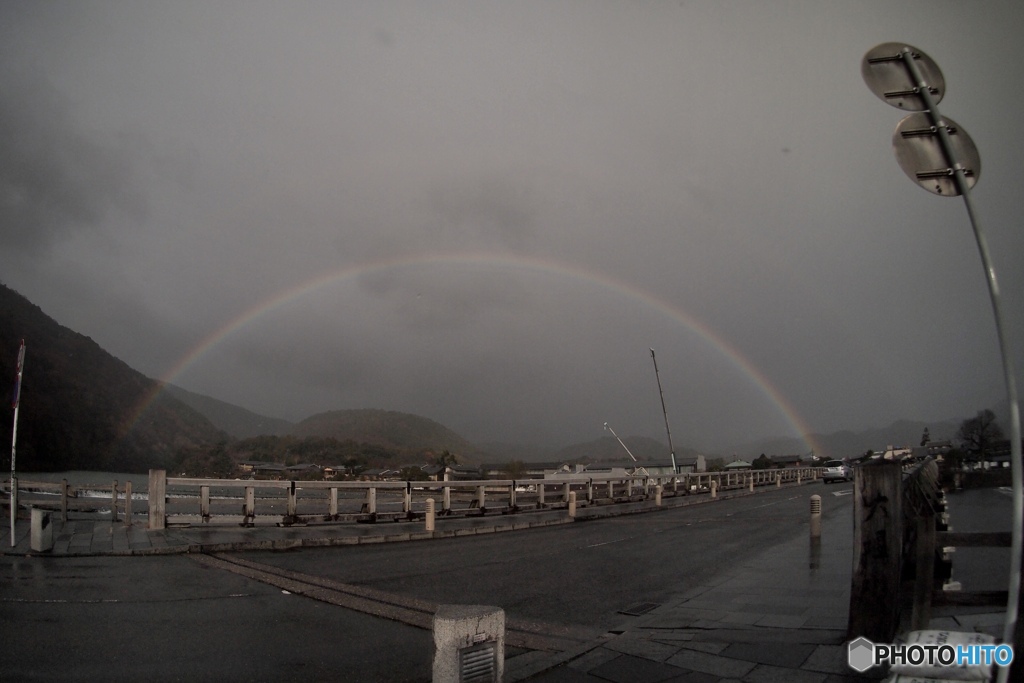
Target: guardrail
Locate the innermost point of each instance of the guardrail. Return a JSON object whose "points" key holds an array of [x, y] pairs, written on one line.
{"points": [[185, 500], [106, 498], [297, 502]]}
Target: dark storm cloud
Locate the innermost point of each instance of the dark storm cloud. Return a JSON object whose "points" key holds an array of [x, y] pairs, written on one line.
{"points": [[54, 179], [486, 213]]}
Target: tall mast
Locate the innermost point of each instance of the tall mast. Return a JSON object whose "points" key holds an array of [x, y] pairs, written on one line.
{"points": [[671, 450]]}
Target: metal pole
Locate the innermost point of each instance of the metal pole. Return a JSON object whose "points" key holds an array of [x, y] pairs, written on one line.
{"points": [[671, 450], [14, 439], [1011, 634]]}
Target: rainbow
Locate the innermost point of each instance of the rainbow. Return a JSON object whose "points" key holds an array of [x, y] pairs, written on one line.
{"points": [[490, 260]]}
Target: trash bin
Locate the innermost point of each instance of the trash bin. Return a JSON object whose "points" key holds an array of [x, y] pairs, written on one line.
{"points": [[42, 530]]}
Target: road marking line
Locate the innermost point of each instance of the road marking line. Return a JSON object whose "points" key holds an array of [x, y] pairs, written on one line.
{"points": [[598, 545]]}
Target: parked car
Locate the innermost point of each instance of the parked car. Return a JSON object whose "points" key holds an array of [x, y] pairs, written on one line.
{"points": [[836, 470]]}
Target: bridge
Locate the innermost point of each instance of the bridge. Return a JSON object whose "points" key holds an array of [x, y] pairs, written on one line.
{"points": [[723, 588]]}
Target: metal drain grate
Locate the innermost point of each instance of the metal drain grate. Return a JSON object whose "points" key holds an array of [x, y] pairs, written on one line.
{"points": [[639, 608], [478, 663]]}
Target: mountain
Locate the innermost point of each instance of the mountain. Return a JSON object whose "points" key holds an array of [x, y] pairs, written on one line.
{"points": [[847, 443], [235, 421], [82, 408], [408, 434]]}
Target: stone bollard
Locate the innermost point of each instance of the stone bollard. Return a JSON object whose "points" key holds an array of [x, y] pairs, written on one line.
{"points": [[572, 503], [469, 644], [658, 491], [751, 483], [778, 480], [42, 531], [714, 489], [429, 516], [815, 516]]}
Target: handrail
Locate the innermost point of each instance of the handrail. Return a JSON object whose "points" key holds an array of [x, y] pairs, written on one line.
{"points": [[598, 487]]}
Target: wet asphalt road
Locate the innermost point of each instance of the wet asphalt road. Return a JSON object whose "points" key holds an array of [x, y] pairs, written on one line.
{"points": [[173, 619]]}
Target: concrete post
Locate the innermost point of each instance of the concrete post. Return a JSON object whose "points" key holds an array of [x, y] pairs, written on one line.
{"points": [[590, 490], [714, 489], [292, 505], [249, 507], [446, 500], [332, 504], [204, 503], [113, 502], [565, 492], [611, 489], [751, 483], [657, 494], [157, 499], [64, 501], [128, 503], [540, 494], [512, 496], [481, 496], [778, 480], [42, 531], [572, 503], [371, 501], [815, 516], [429, 516], [407, 499], [469, 644]]}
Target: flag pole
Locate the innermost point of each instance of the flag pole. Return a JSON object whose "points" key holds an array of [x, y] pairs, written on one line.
{"points": [[16, 401]]}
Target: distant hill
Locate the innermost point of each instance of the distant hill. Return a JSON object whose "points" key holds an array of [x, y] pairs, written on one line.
{"points": [[408, 434], [847, 443], [80, 406], [237, 422]]}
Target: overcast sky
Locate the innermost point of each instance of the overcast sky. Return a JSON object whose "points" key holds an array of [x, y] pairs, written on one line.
{"points": [[486, 213]]}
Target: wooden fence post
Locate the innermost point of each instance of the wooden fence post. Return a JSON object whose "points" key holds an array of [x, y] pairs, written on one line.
{"points": [[877, 548], [157, 499], [128, 503], [924, 580]]}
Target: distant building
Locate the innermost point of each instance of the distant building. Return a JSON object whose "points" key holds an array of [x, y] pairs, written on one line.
{"points": [[783, 461], [269, 470], [897, 453], [691, 463], [461, 473], [738, 465]]}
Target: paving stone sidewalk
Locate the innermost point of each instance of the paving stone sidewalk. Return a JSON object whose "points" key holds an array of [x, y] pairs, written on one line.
{"points": [[779, 617]]}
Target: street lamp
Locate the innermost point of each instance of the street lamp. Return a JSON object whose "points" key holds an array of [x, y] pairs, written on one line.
{"points": [[939, 156]]}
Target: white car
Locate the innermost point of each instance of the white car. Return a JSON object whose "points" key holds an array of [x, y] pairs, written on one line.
{"points": [[836, 470]]}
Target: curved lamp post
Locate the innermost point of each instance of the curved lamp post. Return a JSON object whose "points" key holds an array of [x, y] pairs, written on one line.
{"points": [[939, 156]]}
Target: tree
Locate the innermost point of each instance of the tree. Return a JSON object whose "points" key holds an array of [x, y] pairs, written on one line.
{"points": [[514, 469], [413, 473], [977, 434], [446, 458], [763, 462]]}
